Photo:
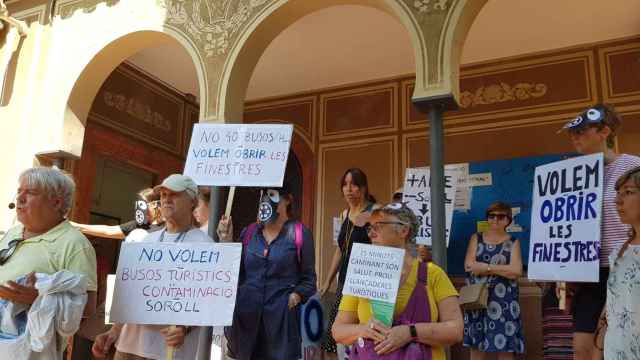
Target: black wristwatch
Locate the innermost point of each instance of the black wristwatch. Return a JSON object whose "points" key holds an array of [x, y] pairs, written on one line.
{"points": [[413, 331]]}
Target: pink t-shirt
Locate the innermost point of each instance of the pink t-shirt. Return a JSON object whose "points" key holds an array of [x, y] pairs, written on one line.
{"points": [[614, 233]]}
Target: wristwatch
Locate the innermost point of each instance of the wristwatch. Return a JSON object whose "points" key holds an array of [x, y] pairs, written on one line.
{"points": [[413, 331]]}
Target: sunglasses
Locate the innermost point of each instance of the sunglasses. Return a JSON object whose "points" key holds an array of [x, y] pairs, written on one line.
{"points": [[498, 217], [6, 253], [378, 226]]}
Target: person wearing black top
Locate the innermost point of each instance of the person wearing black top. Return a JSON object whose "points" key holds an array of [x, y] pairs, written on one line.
{"points": [[151, 220], [355, 190]]}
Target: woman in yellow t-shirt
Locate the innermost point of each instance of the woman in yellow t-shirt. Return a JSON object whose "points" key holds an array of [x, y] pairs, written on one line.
{"points": [[395, 225]]}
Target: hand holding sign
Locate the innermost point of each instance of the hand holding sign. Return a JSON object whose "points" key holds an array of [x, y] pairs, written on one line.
{"points": [[374, 273]]}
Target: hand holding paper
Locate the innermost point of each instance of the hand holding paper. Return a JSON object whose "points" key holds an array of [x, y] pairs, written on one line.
{"points": [[374, 330]]}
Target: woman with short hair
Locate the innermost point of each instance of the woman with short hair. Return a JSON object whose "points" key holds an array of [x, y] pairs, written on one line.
{"points": [[622, 339], [427, 315], [44, 241], [493, 256]]}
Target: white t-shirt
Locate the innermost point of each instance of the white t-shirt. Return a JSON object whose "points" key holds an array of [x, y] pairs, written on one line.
{"points": [[146, 340]]}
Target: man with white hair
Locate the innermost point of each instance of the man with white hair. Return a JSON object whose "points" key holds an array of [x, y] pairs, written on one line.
{"points": [[178, 199], [44, 241]]}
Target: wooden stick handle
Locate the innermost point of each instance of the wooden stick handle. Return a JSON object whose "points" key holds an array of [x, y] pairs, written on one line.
{"points": [[562, 301], [232, 193], [171, 349]]}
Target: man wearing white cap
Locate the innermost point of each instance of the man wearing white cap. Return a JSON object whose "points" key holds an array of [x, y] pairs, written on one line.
{"points": [[178, 198]]}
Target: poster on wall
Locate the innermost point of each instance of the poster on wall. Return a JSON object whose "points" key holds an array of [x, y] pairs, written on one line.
{"points": [[417, 196], [238, 154], [565, 220]]}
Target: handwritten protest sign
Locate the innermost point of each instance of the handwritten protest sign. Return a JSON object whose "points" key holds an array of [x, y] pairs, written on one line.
{"points": [[374, 273], [238, 154], [565, 220], [181, 284], [417, 196]]}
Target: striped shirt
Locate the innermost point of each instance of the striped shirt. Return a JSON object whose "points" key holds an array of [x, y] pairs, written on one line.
{"points": [[614, 233]]}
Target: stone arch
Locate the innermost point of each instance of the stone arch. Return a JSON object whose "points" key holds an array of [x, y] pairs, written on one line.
{"points": [[104, 61], [437, 38]]}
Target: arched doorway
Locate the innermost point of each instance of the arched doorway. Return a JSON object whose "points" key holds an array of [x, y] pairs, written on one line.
{"points": [[136, 132]]}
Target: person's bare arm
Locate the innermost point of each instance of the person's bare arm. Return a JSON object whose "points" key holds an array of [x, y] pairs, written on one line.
{"points": [[333, 271], [90, 307], [103, 231], [347, 329], [448, 330], [512, 271], [470, 264]]}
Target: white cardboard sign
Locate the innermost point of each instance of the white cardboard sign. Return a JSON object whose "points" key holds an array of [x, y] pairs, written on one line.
{"points": [[417, 196], [565, 220], [176, 284], [238, 154], [374, 272]]}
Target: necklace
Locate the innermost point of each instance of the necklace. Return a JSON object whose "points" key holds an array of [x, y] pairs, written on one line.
{"points": [[350, 227]]}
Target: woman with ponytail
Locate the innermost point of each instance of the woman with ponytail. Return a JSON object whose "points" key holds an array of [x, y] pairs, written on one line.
{"points": [[622, 339]]}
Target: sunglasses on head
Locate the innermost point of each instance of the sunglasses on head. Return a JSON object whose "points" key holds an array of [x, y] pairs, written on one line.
{"points": [[500, 217], [6, 253]]}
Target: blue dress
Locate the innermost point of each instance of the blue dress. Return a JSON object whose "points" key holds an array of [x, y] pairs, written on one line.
{"points": [[498, 327], [263, 326]]}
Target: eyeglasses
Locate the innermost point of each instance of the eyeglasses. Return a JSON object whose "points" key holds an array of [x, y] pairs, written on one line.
{"points": [[6, 253], [499, 217], [378, 226], [623, 194]]}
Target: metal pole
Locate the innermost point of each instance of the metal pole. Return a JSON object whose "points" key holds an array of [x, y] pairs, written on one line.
{"points": [[214, 213], [206, 334], [438, 219]]}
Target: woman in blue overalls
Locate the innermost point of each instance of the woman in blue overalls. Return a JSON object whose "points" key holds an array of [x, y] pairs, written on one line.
{"points": [[277, 275]]}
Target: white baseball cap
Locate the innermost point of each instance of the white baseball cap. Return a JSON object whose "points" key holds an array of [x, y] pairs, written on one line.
{"points": [[178, 183]]}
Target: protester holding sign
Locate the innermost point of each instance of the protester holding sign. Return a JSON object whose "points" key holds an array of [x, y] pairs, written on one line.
{"points": [[427, 316], [622, 339], [360, 202], [493, 257], [277, 275], [594, 131], [178, 198]]}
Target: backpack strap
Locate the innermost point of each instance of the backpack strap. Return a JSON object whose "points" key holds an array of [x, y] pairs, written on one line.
{"points": [[299, 236], [299, 239], [248, 234], [422, 273]]}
